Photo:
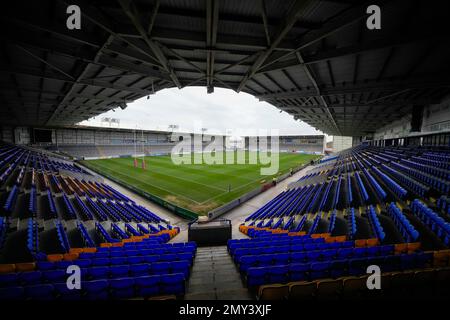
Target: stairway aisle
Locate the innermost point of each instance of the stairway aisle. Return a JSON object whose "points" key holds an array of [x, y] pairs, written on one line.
{"points": [[215, 277]]}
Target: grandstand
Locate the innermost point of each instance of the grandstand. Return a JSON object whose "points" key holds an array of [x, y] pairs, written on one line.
{"points": [[313, 231]]}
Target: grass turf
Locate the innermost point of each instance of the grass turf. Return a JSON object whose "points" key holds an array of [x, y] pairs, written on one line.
{"points": [[197, 187]]}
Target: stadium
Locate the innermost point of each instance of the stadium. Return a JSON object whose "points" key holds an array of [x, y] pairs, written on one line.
{"points": [[358, 211]]}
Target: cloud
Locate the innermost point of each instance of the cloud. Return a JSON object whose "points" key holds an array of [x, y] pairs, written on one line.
{"points": [[224, 109]]}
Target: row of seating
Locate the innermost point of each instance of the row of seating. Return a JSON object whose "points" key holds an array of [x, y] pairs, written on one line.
{"points": [[375, 223], [257, 276], [394, 285], [118, 288], [409, 233], [443, 203], [437, 172], [95, 273], [395, 187], [424, 178], [246, 261], [432, 220]]}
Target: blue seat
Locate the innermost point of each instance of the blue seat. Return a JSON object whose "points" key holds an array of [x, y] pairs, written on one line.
{"points": [[100, 262], [63, 264], [148, 285], [327, 255], [45, 265], [136, 260], [168, 257], [180, 267], [423, 259], [12, 293], [310, 246], [359, 252], [357, 266], [265, 260], [96, 289], [138, 270], [118, 261], [246, 262], [298, 257], [151, 258], [278, 274], [159, 251], [160, 268], [281, 258], [256, 276], [54, 276], [117, 254], [119, 271], [373, 251], [185, 256], [40, 292], [99, 272], [407, 261], [30, 277], [319, 270], [145, 252], [312, 256], [391, 263], [344, 253], [387, 250], [173, 283], [122, 288], [83, 263], [298, 271], [338, 268], [101, 255], [347, 244], [9, 279], [64, 293], [297, 247], [88, 255], [375, 260]]}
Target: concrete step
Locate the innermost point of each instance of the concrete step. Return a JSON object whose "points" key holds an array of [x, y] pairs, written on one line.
{"points": [[215, 277]]}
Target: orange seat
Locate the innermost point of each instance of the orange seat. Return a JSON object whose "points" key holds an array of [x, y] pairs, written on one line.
{"points": [[76, 250], [54, 257], [105, 245], [320, 235], [90, 250], [413, 247], [330, 239], [340, 238], [7, 268], [440, 258], [401, 248], [372, 242], [360, 243], [70, 256], [26, 266], [117, 244]]}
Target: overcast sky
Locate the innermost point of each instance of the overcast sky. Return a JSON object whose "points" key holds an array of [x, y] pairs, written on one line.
{"points": [[192, 108]]}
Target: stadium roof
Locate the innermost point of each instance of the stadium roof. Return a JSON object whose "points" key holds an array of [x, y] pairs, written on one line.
{"points": [[314, 59]]}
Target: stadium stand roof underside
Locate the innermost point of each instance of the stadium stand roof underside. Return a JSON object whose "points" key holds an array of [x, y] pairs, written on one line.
{"points": [[313, 59]]}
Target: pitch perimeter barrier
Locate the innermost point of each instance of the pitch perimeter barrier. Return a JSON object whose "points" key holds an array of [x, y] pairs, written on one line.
{"points": [[179, 211], [215, 213]]}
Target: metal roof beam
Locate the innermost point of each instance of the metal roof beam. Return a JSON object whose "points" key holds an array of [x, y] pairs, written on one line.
{"points": [[212, 20], [382, 86], [283, 29], [346, 18], [131, 11], [311, 77], [102, 84]]}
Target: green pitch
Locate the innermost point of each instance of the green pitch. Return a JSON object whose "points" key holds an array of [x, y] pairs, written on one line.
{"points": [[197, 187]]}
